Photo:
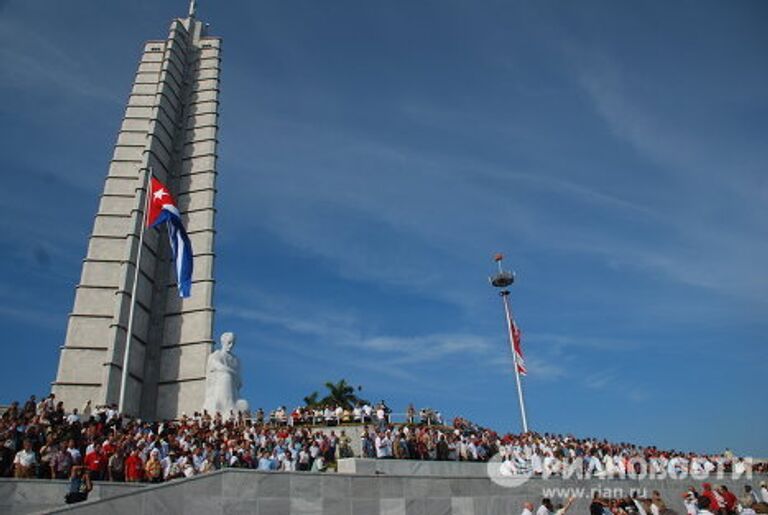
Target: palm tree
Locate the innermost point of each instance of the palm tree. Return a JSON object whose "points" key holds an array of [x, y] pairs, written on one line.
{"points": [[341, 394], [312, 400]]}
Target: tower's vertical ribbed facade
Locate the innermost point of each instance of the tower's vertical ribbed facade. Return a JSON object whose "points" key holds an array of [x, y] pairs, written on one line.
{"points": [[170, 126]]}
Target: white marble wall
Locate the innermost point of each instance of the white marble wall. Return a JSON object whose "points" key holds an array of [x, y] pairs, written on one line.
{"points": [[236, 491]]}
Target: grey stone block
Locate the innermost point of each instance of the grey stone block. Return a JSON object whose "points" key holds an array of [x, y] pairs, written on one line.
{"points": [[427, 487], [482, 504], [462, 506], [337, 506], [365, 506], [239, 507], [118, 506], [335, 486], [31, 491], [364, 487], [198, 505], [310, 494], [306, 487], [166, 500], [274, 485], [500, 504], [303, 506], [438, 506], [415, 506], [7, 490], [469, 487], [392, 506], [243, 486], [274, 506], [87, 508], [391, 486]]}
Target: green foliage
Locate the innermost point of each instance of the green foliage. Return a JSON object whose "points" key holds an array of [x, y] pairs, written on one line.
{"points": [[312, 400], [339, 394]]}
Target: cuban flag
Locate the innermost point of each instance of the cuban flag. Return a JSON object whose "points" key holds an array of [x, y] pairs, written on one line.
{"points": [[516, 337], [163, 209]]}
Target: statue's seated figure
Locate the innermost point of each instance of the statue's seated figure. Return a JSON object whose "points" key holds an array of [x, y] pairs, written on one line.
{"points": [[223, 380]]}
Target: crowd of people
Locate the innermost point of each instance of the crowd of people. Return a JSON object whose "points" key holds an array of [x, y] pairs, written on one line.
{"points": [[40, 439], [563, 455], [334, 414]]}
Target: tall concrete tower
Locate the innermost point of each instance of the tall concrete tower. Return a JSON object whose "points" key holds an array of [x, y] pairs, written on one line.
{"points": [[170, 127]]}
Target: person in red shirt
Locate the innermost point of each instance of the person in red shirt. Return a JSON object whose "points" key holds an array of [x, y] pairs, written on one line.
{"points": [[729, 499], [134, 467], [108, 448], [714, 497], [96, 463]]}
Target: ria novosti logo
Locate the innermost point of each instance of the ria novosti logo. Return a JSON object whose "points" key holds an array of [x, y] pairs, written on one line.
{"points": [[503, 473], [511, 474]]}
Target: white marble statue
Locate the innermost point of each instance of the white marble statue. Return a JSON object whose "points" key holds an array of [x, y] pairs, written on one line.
{"points": [[223, 381]]}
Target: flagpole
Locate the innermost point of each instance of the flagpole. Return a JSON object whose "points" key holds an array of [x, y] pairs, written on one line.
{"points": [[508, 312], [502, 280], [137, 267]]}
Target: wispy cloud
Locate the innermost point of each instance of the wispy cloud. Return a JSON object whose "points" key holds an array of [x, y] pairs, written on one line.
{"points": [[32, 316], [613, 381], [600, 380], [40, 63], [340, 330]]}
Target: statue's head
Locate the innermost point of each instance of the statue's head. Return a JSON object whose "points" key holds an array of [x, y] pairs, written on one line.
{"points": [[227, 341]]}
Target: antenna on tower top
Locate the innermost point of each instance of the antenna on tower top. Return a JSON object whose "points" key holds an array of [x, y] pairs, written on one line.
{"points": [[192, 8]]}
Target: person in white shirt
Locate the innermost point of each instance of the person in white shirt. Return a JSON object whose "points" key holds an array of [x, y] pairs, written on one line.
{"points": [[318, 465], [536, 464], [25, 461], [286, 463], [527, 508], [367, 412], [74, 452], [383, 446], [87, 410], [546, 508], [764, 491], [381, 417], [73, 417], [472, 451]]}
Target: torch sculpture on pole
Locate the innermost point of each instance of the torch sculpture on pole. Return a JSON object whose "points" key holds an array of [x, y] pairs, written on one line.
{"points": [[502, 280]]}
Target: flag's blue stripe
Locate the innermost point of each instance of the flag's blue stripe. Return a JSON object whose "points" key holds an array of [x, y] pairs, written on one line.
{"points": [[182, 262]]}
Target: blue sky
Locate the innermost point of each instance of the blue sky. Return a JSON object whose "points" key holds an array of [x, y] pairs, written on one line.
{"points": [[374, 156]]}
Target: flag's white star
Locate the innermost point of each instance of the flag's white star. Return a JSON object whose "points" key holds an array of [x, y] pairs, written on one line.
{"points": [[159, 194]]}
